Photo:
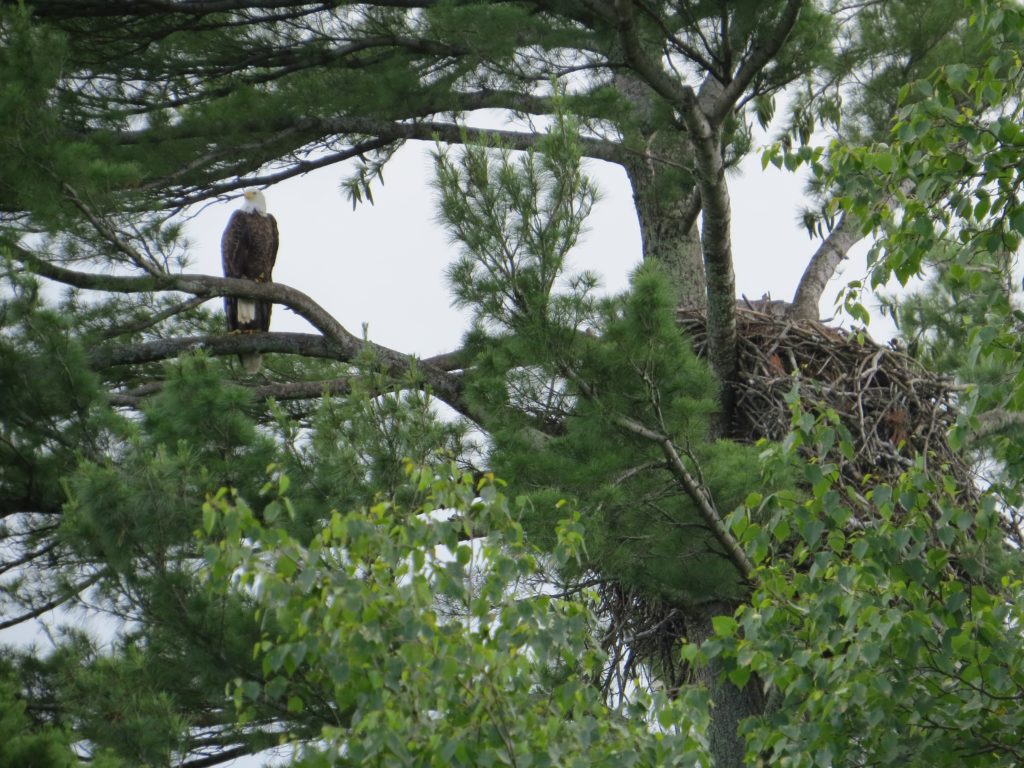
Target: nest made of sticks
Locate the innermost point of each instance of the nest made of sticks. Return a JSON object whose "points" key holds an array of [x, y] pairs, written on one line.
{"points": [[895, 411]]}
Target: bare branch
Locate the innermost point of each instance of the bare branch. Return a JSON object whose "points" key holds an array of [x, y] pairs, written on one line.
{"points": [[348, 346], [823, 264]]}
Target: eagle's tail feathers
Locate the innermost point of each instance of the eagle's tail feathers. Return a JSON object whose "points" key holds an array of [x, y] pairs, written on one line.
{"points": [[251, 361], [246, 311]]}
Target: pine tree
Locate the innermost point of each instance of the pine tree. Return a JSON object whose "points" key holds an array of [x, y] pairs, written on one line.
{"points": [[268, 551]]}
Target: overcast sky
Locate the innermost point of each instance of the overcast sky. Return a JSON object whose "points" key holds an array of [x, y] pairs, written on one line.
{"points": [[384, 264]]}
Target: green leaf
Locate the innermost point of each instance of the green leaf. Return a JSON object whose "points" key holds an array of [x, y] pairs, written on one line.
{"points": [[724, 626]]}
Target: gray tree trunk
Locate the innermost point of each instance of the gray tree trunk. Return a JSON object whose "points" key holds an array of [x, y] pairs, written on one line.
{"points": [[823, 265], [669, 233], [660, 169], [730, 705]]}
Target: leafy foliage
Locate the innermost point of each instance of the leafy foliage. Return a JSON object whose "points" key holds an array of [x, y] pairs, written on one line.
{"points": [[886, 622], [353, 620], [357, 585]]}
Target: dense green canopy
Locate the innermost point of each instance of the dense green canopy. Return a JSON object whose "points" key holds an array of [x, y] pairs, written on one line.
{"points": [[554, 545]]}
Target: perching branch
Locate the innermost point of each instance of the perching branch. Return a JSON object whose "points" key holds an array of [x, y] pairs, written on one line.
{"points": [[345, 346]]}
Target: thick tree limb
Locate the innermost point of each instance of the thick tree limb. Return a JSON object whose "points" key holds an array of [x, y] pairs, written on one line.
{"points": [[822, 266], [348, 346], [992, 422], [304, 344], [716, 243], [387, 133], [704, 133], [834, 249]]}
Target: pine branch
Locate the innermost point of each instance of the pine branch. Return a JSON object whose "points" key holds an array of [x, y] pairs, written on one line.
{"points": [[141, 325], [56, 602], [761, 53], [697, 493], [346, 345], [304, 344], [286, 390], [387, 133], [693, 488], [219, 757]]}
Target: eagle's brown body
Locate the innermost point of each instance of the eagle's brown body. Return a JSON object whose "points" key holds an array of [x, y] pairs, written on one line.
{"points": [[249, 250]]}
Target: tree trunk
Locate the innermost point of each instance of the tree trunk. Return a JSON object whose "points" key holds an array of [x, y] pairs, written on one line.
{"points": [[729, 705], [671, 238], [659, 165], [822, 267]]}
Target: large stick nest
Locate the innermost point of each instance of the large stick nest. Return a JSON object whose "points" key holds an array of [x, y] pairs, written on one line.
{"points": [[894, 409], [895, 412]]}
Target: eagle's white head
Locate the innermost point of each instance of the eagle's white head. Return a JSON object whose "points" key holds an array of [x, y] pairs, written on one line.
{"points": [[255, 202]]}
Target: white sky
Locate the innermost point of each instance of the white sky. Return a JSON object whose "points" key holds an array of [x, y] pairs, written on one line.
{"points": [[384, 264]]}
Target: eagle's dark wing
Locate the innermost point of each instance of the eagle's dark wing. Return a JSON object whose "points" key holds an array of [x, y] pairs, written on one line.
{"points": [[274, 241], [231, 256], [266, 255]]}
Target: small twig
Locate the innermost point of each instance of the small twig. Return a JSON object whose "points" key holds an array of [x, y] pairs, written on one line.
{"points": [[159, 317], [108, 233]]}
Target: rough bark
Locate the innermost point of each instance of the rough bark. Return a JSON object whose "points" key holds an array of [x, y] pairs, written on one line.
{"points": [[716, 243], [659, 166], [730, 705], [702, 114], [671, 238]]}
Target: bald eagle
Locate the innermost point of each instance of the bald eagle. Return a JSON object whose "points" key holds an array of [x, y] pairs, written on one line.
{"points": [[248, 250]]}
